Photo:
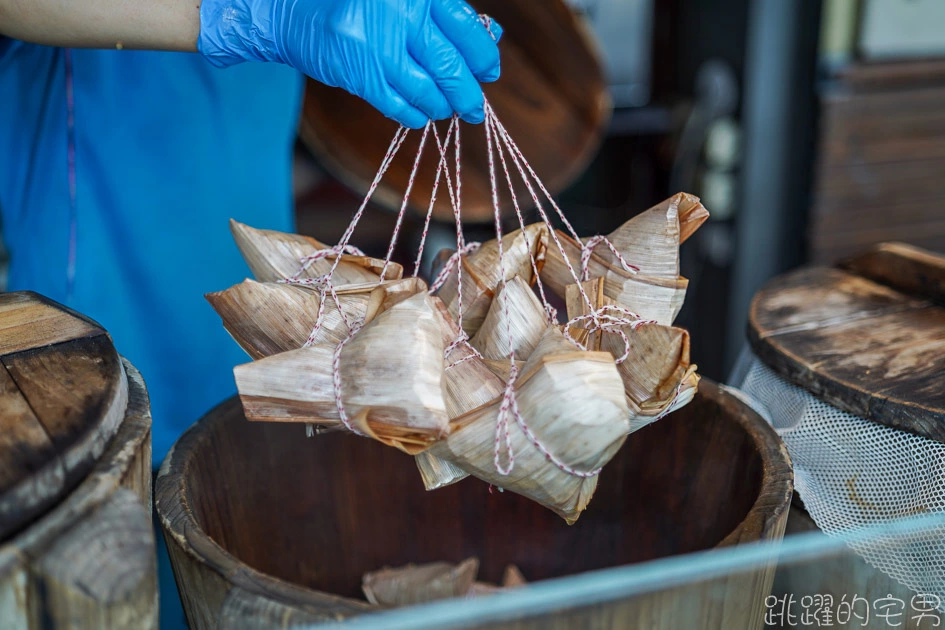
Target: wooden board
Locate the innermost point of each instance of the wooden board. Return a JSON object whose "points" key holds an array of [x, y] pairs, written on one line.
{"points": [[868, 338], [880, 160], [63, 393], [552, 97]]}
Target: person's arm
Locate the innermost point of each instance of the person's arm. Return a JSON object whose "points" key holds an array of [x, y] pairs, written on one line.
{"points": [[144, 24], [414, 60]]}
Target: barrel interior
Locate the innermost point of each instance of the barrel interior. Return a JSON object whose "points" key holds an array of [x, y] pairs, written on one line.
{"points": [[322, 511]]}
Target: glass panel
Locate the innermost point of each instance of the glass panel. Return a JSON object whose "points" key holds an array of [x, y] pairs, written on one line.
{"points": [[818, 581]]}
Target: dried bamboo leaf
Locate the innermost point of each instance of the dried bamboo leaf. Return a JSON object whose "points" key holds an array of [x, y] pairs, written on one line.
{"points": [[293, 386], [266, 318], [577, 306], [518, 249], [437, 473], [477, 297], [657, 361], [389, 293], [650, 298], [657, 373], [573, 402], [650, 241], [417, 584], [274, 256], [481, 273], [512, 577], [391, 374], [483, 589], [659, 299], [516, 316], [502, 368], [468, 384], [692, 214], [688, 387], [392, 369]]}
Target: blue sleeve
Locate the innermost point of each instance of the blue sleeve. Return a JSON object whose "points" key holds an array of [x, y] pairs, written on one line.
{"points": [[7, 45]]}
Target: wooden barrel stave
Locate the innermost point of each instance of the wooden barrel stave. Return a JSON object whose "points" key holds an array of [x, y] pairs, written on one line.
{"points": [[103, 573]]}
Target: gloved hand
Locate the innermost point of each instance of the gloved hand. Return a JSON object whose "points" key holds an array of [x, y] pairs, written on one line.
{"points": [[413, 60]]}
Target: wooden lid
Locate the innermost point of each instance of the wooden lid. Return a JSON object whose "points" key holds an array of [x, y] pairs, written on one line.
{"points": [[552, 98], [867, 337], [63, 393]]}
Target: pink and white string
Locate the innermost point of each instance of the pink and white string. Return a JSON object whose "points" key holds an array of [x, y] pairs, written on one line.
{"points": [[606, 319]]}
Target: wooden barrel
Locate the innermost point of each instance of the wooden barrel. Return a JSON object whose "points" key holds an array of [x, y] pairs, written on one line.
{"points": [[867, 337], [268, 529], [552, 97], [77, 545]]}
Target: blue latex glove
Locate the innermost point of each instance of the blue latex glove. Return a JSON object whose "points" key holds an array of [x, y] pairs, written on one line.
{"points": [[413, 60]]}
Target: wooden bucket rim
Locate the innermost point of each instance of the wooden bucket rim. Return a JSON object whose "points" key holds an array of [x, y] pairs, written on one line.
{"points": [[760, 523], [102, 481]]}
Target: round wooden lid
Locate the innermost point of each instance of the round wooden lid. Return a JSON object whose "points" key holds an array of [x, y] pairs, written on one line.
{"points": [[552, 98], [63, 393], [867, 337]]}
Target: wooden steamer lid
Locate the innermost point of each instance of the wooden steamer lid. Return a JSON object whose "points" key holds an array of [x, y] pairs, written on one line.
{"points": [[63, 395], [867, 336], [552, 97]]}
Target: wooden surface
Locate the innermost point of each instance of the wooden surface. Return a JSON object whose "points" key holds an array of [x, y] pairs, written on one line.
{"points": [[902, 267], [63, 394], [89, 562], [552, 98], [858, 344], [270, 528], [881, 159]]}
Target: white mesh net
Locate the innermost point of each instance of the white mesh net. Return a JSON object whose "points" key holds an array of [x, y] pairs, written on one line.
{"points": [[852, 473]]}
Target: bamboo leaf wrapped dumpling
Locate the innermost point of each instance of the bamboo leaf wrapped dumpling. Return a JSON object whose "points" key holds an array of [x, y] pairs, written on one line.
{"points": [[267, 318], [654, 362], [573, 403], [468, 384], [391, 380], [650, 242], [481, 274], [274, 256], [515, 311]]}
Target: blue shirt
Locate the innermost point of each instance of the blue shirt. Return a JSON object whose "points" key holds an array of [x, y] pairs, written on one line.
{"points": [[122, 211]]}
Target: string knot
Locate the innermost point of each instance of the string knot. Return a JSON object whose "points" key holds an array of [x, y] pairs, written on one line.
{"points": [[461, 340], [610, 318]]}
